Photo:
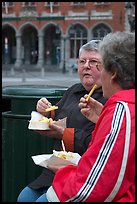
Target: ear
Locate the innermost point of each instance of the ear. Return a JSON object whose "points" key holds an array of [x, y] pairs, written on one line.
{"points": [[113, 77]]}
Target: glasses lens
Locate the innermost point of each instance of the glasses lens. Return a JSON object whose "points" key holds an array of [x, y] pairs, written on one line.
{"points": [[92, 62], [81, 61]]}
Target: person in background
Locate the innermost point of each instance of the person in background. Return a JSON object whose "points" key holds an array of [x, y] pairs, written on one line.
{"points": [[106, 171], [77, 134]]}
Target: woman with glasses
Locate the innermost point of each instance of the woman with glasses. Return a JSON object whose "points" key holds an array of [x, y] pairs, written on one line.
{"points": [[77, 134]]}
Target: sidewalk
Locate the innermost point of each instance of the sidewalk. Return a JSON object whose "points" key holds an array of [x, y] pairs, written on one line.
{"points": [[37, 78]]}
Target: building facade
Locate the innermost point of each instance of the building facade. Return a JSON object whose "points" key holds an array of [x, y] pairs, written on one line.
{"points": [[48, 35]]}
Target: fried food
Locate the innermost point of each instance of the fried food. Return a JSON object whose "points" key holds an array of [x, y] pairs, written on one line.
{"points": [[63, 154], [51, 108]]}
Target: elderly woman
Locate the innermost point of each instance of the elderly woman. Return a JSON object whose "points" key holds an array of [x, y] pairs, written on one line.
{"points": [[106, 171], [77, 134]]}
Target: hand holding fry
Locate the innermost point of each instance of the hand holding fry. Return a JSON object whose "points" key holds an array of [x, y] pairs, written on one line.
{"points": [[51, 108], [91, 92], [52, 133], [42, 105], [59, 129], [55, 131], [91, 109]]}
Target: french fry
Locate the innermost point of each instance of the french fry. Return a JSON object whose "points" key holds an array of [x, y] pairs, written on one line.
{"points": [[51, 108], [90, 93]]}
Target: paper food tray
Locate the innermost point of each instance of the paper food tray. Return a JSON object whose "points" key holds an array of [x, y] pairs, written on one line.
{"points": [[34, 124], [45, 159]]}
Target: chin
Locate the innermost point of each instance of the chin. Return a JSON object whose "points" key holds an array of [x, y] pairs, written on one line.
{"points": [[88, 82], [88, 87]]}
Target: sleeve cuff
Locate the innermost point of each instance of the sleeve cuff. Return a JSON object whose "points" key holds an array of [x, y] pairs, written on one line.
{"points": [[52, 114], [68, 139]]}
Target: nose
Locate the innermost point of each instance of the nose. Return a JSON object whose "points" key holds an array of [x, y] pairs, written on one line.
{"points": [[87, 63], [87, 66]]}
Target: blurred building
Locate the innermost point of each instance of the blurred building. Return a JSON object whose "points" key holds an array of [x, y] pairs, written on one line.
{"points": [[130, 14], [48, 35]]}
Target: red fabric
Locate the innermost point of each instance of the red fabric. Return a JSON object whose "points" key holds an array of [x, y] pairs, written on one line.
{"points": [[68, 139], [71, 182], [52, 114]]}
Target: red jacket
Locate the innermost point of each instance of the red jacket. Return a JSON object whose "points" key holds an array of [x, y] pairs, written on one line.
{"points": [[106, 171]]}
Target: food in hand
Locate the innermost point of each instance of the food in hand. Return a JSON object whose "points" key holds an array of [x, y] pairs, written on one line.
{"points": [[45, 119], [51, 108], [91, 92], [40, 124]]}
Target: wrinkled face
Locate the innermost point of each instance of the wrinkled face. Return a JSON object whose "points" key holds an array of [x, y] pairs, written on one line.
{"points": [[87, 68]]}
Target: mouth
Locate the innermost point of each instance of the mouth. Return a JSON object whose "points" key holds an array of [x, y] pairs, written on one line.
{"points": [[87, 75]]}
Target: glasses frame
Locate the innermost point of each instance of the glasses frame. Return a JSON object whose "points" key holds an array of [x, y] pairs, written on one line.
{"points": [[91, 63]]}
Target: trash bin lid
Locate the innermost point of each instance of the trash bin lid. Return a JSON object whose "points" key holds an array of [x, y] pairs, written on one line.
{"points": [[32, 91]]}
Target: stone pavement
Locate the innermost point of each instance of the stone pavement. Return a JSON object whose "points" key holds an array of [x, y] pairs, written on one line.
{"points": [[58, 78]]}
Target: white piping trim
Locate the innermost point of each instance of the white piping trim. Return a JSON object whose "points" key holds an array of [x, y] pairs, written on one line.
{"points": [[51, 195], [125, 155]]}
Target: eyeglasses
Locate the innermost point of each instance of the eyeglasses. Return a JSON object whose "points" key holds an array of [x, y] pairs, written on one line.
{"points": [[91, 62]]}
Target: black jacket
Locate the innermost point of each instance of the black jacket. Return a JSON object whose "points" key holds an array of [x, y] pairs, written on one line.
{"points": [[68, 107]]}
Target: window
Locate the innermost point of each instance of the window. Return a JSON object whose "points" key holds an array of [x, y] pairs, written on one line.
{"points": [[77, 39], [25, 4], [52, 3], [7, 7], [100, 31], [52, 6], [4, 4], [78, 3], [102, 3]]}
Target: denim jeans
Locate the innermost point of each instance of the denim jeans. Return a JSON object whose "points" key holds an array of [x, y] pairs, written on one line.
{"points": [[32, 195]]}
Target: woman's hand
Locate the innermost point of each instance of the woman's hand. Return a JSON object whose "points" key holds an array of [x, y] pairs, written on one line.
{"points": [[91, 109], [42, 105], [56, 167], [55, 131]]}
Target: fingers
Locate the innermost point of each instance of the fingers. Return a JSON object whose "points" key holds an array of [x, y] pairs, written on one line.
{"points": [[91, 109], [42, 104], [84, 108], [54, 167], [83, 103], [90, 103], [85, 112], [43, 132], [58, 128], [96, 104]]}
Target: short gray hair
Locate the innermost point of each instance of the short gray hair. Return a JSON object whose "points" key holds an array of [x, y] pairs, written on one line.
{"points": [[118, 54], [92, 45]]}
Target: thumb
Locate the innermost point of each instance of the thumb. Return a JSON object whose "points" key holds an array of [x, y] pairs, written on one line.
{"points": [[58, 128]]}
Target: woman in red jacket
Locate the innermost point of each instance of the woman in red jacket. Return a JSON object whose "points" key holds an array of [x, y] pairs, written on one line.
{"points": [[106, 171]]}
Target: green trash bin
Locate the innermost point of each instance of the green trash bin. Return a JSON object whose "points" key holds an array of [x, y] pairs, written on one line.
{"points": [[18, 142]]}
